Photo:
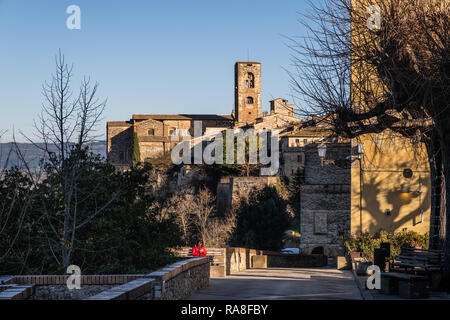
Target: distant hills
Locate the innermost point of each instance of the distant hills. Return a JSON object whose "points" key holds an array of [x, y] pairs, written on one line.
{"points": [[33, 154]]}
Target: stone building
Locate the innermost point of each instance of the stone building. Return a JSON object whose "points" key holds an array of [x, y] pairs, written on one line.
{"points": [[360, 185], [155, 132], [375, 182], [325, 189]]}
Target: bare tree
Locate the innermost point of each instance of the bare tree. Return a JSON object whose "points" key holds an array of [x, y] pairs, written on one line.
{"points": [[219, 230], [203, 210], [181, 205], [66, 125], [195, 215], [367, 67]]}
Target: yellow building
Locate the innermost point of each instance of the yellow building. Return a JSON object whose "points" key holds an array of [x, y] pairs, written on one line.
{"points": [[390, 183], [390, 188]]}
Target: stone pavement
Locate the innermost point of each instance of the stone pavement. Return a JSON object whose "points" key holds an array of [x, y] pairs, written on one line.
{"points": [[283, 284]]}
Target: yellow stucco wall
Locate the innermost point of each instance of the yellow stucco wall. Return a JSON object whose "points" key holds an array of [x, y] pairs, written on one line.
{"points": [[383, 186]]}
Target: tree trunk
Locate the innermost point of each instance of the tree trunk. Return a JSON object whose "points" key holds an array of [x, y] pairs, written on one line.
{"points": [[438, 207], [445, 150]]}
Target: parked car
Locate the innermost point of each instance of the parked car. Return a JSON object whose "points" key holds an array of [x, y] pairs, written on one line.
{"points": [[291, 250]]}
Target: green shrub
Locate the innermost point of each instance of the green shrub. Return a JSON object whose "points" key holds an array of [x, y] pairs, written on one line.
{"points": [[365, 243], [129, 236], [261, 221]]}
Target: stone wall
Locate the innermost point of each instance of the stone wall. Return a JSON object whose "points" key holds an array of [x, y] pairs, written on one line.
{"points": [[293, 162], [173, 282], [54, 287], [236, 260], [142, 128], [240, 259], [119, 143], [58, 292], [296, 260], [325, 200], [186, 283], [231, 190]]}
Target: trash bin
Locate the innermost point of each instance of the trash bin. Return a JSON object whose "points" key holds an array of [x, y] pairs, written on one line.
{"points": [[387, 247], [379, 258]]}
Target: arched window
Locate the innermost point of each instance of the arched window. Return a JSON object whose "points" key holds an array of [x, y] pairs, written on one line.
{"points": [[250, 82], [317, 250], [249, 100], [151, 132]]}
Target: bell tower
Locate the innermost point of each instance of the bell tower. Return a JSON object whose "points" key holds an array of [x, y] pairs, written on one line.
{"points": [[247, 91]]}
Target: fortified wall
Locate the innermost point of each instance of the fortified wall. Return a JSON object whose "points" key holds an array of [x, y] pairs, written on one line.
{"points": [[231, 189]]}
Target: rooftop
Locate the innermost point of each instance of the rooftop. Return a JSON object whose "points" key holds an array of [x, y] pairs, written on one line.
{"points": [[182, 117]]}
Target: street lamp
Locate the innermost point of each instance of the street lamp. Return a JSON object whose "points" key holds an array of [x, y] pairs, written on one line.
{"points": [[322, 150], [360, 150]]}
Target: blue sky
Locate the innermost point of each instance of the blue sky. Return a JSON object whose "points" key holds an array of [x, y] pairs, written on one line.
{"points": [[155, 56]]}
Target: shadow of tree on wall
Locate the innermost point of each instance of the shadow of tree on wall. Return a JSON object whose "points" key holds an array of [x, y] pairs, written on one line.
{"points": [[377, 200]]}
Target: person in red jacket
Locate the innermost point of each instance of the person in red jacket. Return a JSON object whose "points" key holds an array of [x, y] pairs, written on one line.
{"points": [[199, 250]]}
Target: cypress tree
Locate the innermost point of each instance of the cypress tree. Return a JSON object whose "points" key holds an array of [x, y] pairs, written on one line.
{"points": [[136, 151]]}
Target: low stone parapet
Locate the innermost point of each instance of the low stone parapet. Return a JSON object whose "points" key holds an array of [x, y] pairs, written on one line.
{"points": [[173, 282], [283, 260], [129, 291], [180, 280], [16, 292], [54, 287], [259, 262]]}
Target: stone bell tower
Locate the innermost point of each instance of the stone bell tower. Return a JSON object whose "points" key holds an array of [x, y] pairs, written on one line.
{"points": [[247, 91]]}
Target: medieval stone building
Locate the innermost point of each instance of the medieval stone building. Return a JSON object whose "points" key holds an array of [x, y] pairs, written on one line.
{"points": [[355, 186], [154, 132]]}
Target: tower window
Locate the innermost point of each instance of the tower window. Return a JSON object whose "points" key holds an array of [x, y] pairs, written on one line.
{"points": [[151, 132], [121, 156], [249, 100], [250, 82]]}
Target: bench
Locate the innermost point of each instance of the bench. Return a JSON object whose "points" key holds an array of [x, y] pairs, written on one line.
{"points": [[217, 259], [418, 260], [408, 286], [414, 261]]}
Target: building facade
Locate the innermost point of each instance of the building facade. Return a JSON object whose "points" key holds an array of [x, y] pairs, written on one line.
{"points": [[360, 185], [155, 133]]}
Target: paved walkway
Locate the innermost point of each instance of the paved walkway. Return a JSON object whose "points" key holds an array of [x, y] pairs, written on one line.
{"points": [[376, 295], [283, 284]]}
